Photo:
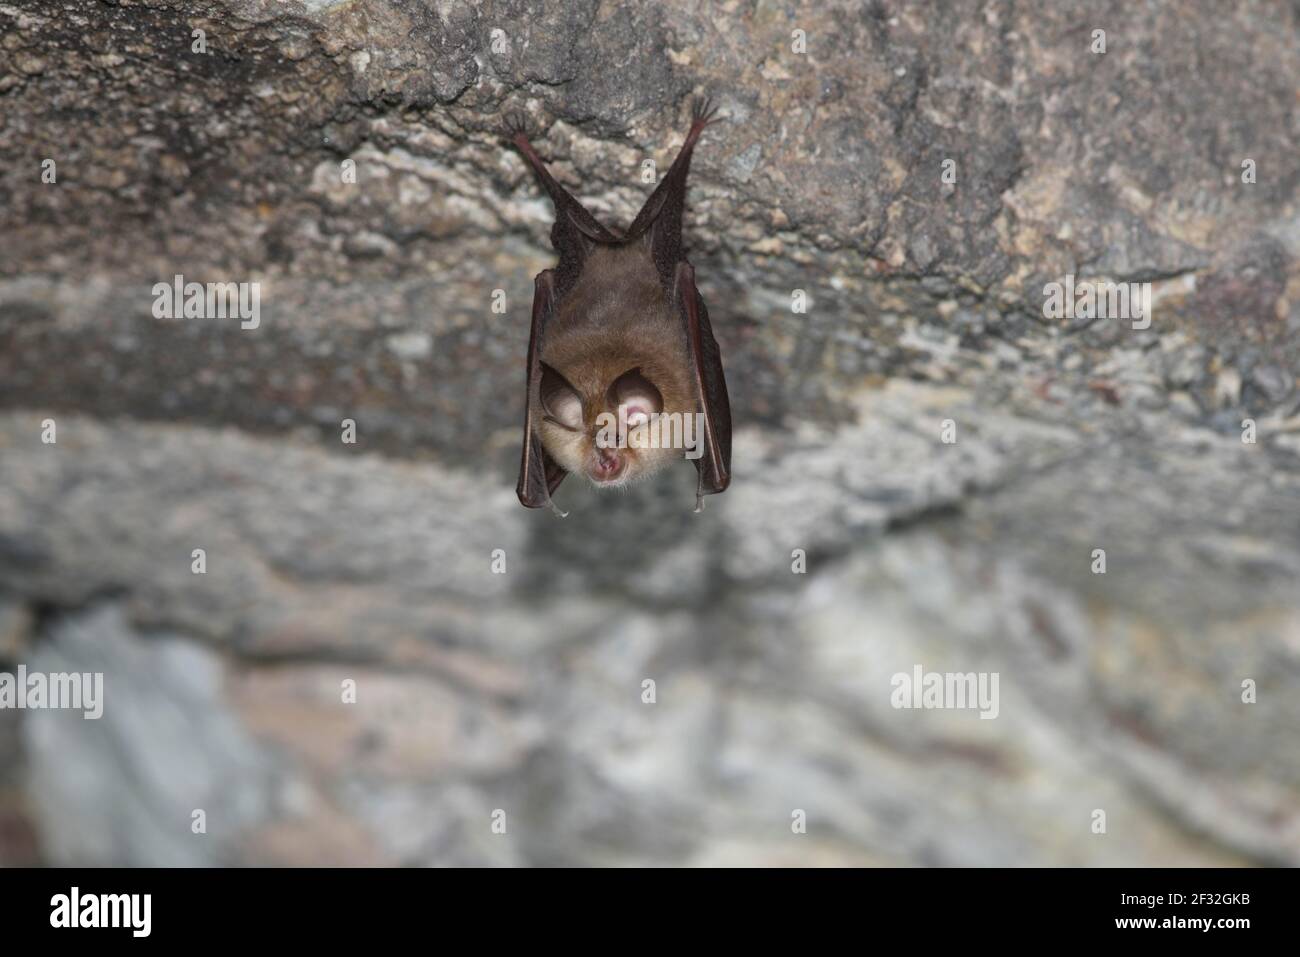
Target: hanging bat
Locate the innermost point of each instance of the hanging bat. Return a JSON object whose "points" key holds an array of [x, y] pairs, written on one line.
{"points": [[621, 353]]}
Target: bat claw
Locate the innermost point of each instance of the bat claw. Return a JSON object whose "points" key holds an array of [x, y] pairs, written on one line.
{"points": [[558, 512], [704, 113], [516, 124]]}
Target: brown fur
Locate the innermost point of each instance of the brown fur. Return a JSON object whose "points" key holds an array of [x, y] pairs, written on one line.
{"points": [[615, 319]]}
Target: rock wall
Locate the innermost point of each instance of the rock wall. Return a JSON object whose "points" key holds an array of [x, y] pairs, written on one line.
{"points": [[918, 171]]}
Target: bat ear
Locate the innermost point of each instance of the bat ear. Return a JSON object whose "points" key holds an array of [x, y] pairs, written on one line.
{"points": [[560, 400], [636, 392]]}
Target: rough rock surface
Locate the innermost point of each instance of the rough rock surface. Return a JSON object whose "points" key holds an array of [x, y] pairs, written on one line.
{"points": [[521, 691]]}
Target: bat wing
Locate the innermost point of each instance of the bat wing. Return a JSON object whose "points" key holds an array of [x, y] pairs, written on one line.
{"points": [[539, 474], [659, 224], [714, 465], [573, 235]]}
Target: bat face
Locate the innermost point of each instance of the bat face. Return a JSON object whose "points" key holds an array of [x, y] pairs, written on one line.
{"points": [[605, 434], [624, 375]]}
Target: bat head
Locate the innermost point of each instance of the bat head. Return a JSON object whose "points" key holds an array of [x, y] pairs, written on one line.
{"points": [[606, 427]]}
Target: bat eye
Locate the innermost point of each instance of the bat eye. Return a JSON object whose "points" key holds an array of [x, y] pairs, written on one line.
{"points": [[560, 401]]}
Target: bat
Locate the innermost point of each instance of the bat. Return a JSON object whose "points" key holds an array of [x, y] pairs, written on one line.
{"points": [[621, 353]]}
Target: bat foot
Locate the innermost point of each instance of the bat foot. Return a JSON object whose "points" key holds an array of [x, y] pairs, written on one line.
{"points": [[516, 124], [703, 113], [559, 513]]}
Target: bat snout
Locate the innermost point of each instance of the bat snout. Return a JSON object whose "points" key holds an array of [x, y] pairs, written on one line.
{"points": [[606, 465]]}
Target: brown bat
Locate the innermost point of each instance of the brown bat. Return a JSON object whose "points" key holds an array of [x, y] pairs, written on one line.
{"points": [[624, 375]]}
